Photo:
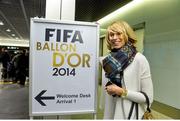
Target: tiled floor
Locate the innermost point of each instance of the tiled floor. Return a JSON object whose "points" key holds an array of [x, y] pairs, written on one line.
{"points": [[14, 101], [14, 104]]}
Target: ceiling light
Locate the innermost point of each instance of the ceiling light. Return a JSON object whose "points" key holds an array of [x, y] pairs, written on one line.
{"points": [[13, 35], [120, 10], [1, 23], [8, 30]]}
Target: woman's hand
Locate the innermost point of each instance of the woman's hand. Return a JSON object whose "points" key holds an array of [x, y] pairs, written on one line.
{"points": [[114, 89]]}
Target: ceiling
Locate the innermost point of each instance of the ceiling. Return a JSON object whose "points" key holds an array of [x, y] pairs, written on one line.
{"points": [[16, 14]]}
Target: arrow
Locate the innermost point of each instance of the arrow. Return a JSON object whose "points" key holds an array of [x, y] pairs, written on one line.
{"points": [[39, 97]]}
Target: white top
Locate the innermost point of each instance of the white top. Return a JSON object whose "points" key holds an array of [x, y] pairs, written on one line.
{"points": [[137, 77]]}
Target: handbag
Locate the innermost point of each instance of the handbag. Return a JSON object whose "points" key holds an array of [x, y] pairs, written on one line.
{"points": [[147, 115]]}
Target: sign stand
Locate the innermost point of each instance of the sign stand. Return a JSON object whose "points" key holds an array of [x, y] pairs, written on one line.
{"points": [[31, 117], [95, 116]]}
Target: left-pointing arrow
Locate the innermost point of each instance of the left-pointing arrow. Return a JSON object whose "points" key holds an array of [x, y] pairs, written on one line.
{"points": [[39, 97]]}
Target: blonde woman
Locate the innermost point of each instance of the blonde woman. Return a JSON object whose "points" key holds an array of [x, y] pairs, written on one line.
{"points": [[127, 74]]}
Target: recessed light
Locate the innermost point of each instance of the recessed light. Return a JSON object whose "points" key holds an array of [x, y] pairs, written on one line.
{"points": [[13, 35], [8, 30], [1, 23]]}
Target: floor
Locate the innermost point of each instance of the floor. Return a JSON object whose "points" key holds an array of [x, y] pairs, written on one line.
{"points": [[14, 101], [14, 104]]}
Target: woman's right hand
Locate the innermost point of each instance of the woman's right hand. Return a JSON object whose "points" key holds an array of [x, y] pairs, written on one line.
{"points": [[114, 89]]}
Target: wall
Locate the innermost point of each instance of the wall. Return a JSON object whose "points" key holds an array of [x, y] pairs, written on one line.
{"points": [[140, 37], [161, 44]]}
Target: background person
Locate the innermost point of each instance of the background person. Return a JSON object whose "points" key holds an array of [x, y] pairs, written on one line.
{"points": [[21, 64], [4, 59], [127, 73]]}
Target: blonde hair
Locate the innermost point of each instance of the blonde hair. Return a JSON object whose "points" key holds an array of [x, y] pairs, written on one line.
{"points": [[124, 28]]}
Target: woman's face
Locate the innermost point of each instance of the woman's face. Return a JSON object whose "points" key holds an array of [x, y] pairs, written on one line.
{"points": [[117, 40]]}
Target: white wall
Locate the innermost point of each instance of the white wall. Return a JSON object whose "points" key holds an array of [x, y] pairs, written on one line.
{"points": [[140, 37], [161, 45]]}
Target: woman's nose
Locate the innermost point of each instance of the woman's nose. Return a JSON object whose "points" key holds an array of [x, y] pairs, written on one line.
{"points": [[115, 36]]}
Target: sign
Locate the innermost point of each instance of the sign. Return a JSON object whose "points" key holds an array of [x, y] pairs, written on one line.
{"points": [[63, 67]]}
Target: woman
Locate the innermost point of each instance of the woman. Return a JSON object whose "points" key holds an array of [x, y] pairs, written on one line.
{"points": [[127, 73]]}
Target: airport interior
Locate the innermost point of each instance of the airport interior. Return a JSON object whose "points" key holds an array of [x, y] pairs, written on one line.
{"points": [[155, 22]]}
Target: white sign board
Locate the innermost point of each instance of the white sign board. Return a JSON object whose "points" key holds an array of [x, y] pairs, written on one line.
{"points": [[63, 67]]}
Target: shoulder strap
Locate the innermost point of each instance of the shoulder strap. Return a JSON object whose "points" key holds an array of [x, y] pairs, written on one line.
{"points": [[131, 110], [147, 101], [137, 112], [136, 106]]}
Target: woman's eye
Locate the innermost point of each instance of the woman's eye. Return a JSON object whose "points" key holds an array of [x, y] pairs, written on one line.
{"points": [[119, 33], [111, 35]]}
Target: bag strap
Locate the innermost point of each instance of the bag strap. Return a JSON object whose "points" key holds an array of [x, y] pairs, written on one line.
{"points": [[137, 112], [131, 110], [136, 104], [147, 101]]}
